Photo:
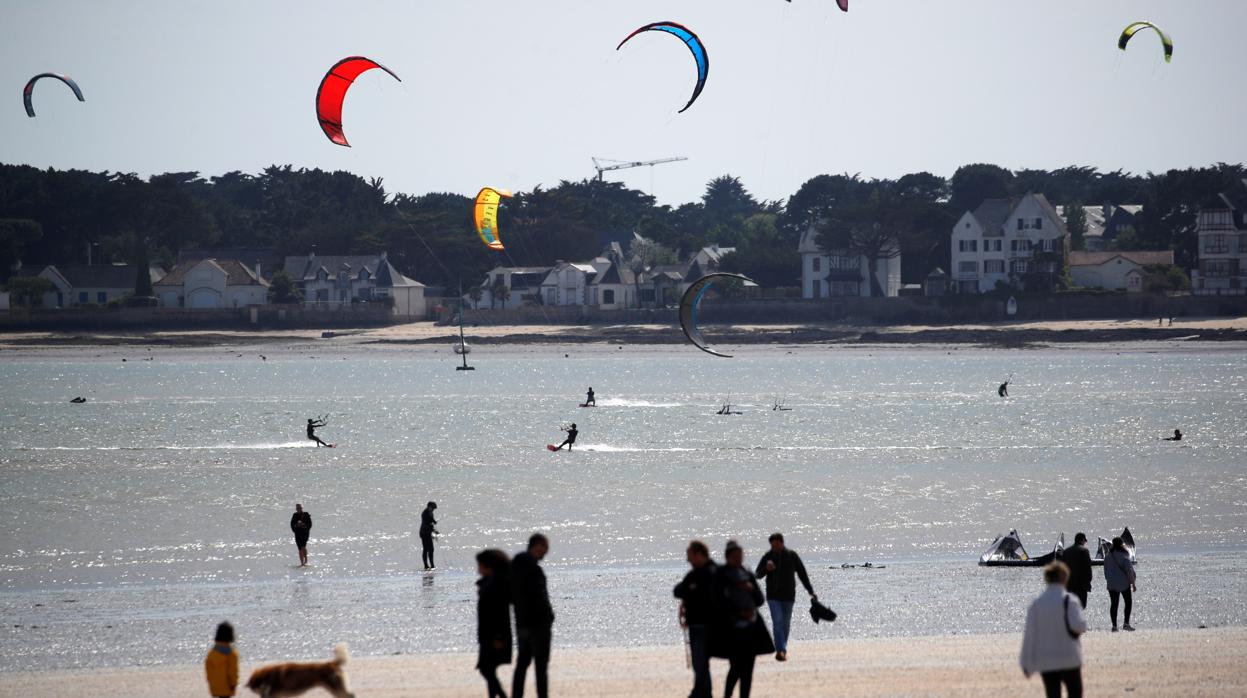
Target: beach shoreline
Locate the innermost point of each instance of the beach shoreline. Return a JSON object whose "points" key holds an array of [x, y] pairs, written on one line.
{"points": [[1203, 662]]}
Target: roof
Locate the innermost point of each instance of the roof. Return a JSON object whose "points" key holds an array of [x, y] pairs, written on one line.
{"points": [[268, 258], [377, 266], [102, 275], [714, 252], [992, 214], [616, 274], [1047, 208], [236, 273], [1099, 218], [1140, 257]]}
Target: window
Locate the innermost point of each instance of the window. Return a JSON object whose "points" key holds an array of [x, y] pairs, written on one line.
{"points": [[101, 297], [1019, 267], [816, 264], [82, 297], [1038, 224], [993, 245], [839, 262], [969, 246], [994, 266], [1242, 243], [1020, 245], [322, 295], [1021, 224], [608, 296], [968, 267], [1216, 267], [1216, 244]]}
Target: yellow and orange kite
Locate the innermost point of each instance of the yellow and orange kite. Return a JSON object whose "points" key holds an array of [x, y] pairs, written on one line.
{"points": [[485, 214]]}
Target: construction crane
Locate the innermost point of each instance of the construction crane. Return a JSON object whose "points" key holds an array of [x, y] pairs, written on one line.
{"points": [[625, 165]]}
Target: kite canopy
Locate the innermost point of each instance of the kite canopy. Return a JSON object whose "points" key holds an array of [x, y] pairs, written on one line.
{"points": [[691, 302], [1134, 28], [694, 44], [485, 215], [28, 91], [332, 92], [844, 4]]}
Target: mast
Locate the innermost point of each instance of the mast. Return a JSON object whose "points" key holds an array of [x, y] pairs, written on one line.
{"points": [[463, 345]]}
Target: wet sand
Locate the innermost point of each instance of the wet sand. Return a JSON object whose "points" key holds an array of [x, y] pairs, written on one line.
{"points": [[1144, 663]]}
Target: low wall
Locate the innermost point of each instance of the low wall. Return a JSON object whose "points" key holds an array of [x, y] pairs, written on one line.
{"points": [[256, 317]]}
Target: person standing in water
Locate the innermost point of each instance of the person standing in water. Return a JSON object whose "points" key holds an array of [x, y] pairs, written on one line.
{"points": [[301, 524], [781, 568], [428, 526], [1003, 390], [1177, 435], [589, 399], [312, 426], [572, 432]]}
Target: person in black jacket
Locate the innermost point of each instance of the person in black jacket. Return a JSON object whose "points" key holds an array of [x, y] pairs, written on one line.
{"points": [[493, 617], [780, 567], [534, 617], [428, 526], [1078, 560], [697, 609], [742, 635], [301, 524]]}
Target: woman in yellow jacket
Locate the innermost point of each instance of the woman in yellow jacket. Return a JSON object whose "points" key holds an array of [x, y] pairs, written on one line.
{"points": [[221, 666]]}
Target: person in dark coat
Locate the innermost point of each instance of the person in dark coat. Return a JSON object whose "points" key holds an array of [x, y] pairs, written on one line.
{"points": [[534, 617], [1119, 577], [697, 610], [301, 524], [744, 634], [428, 526], [1078, 560], [781, 567], [493, 617]]}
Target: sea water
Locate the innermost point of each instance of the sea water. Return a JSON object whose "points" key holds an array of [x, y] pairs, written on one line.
{"points": [[132, 524]]}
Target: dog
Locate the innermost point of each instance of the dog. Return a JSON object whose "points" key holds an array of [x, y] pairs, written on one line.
{"points": [[292, 678]]}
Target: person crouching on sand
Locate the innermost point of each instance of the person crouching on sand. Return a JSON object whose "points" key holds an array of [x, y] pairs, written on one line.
{"points": [[493, 617], [221, 665], [1050, 644]]}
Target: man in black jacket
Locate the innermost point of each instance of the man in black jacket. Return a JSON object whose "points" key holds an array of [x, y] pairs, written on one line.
{"points": [[780, 567], [534, 617], [301, 524], [1078, 560], [697, 608], [428, 526]]}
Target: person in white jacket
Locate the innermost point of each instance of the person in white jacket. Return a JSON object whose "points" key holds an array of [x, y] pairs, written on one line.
{"points": [[1050, 645]]}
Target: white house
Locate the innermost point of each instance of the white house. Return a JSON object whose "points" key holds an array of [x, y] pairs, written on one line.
{"points": [[80, 284], [837, 274], [1222, 230], [1115, 271], [614, 288], [1011, 242], [523, 286], [708, 257], [211, 283], [568, 282], [336, 281]]}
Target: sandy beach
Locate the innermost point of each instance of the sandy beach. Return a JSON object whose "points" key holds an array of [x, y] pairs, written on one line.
{"points": [[1145, 663]]}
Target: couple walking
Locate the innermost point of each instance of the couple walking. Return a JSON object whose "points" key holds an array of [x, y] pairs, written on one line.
{"points": [[719, 607], [1119, 576], [521, 583]]}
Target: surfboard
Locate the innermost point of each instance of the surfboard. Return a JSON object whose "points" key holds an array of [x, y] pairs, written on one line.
{"points": [[332, 445], [551, 447], [587, 405]]}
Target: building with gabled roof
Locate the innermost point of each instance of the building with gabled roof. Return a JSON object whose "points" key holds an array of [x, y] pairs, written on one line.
{"points": [[1115, 271], [1221, 269], [1021, 243], [211, 283], [330, 282], [841, 274], [96, 284]]}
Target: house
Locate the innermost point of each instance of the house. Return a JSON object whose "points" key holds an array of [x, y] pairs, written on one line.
{"points": [[211, 283], [567, 283], [661, 285], [838, 274], [614, 288], [522, 284], [1114, 271], [1021, 243], [1221, 269], [1104, 224], [709, 257], [336, 281], [80, 284], [263, 260]]}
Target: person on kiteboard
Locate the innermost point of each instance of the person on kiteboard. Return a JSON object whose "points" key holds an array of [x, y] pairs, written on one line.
{"points": [[571, 437], [589, 399], [312, 426], [1003, 390]]}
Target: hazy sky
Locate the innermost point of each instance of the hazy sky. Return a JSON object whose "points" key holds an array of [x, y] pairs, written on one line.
{"points": [[515, 94]]}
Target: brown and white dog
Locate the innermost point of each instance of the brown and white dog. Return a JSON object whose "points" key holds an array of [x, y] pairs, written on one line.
{"points": [[292, 679]]}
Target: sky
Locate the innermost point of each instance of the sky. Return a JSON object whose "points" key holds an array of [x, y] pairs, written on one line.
{"points": [[519, 94]]}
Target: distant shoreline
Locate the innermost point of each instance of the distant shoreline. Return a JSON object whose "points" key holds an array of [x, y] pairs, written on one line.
{"points": [[1000, 335]]}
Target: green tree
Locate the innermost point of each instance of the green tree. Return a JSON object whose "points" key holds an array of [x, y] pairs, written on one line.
{"points": [[1076, 224], [870, 229], [282, 290], [16, 234], [972, 184], [27, 291]]}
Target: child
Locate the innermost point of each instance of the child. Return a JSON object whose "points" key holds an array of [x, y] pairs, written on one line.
{"points": [[221, 666]]}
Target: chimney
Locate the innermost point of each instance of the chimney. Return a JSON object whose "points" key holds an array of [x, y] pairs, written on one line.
{"points": [[384, 256], [258, 275]]}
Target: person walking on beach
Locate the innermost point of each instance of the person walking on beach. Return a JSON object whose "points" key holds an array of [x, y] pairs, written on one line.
{"points": [[572, 432], [301, 524], [1050, 645], [744, 635], [428, 526], [221, 664], [1078, 560], [781, 567], [1119, 576], [589, 399], [534, 617], [493, 617], [312, 426], [697, 609]]}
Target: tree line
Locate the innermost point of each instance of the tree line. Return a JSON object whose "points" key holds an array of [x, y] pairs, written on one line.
{"points": [[54, 216]]}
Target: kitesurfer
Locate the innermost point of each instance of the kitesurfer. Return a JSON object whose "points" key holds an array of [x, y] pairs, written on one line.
{"points": [[572, 432], [1003, 390], [301, 524], [312, 426], [589, 399], [1177, 435], [428, 526]]}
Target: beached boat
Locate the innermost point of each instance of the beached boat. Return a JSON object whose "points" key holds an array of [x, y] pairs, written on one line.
{"points": [[1008, 551], [1105, 544]]}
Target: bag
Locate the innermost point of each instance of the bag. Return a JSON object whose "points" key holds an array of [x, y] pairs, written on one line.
{"points": [[1065, 617], [820, 612]]}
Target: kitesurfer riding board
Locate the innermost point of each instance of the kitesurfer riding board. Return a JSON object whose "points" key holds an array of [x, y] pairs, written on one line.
{"points": [[1003, 390], [312, 426], [572, 432]]}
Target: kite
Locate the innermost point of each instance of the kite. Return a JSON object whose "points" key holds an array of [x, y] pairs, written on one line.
{"points": [[691, 302], [1128, 33], [485, 215], [844, 4], [694, 44], [29, 90], [332, 92]]}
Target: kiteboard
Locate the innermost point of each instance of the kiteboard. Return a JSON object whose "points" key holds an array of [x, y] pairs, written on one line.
{"points": [[551, 447], [587, 405]]}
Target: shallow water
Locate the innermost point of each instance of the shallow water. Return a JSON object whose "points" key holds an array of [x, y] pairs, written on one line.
{"points": [[138, 520]]}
